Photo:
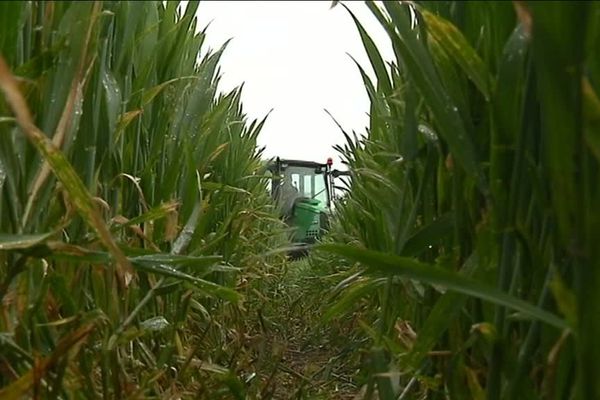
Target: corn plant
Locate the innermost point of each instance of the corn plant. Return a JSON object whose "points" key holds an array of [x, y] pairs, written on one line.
{"points": [[132, 198], [470, 227]]}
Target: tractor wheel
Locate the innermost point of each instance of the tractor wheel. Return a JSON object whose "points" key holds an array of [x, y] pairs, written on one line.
{"points": [[298, 253]]}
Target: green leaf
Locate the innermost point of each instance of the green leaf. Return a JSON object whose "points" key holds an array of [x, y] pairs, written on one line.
{"points": [[25, 241], [411, 49], [206, 185], [357, 291], [149, 94], [426, 273], [382, 375], [457, 47], [208, 287], [444, 311], [383, 79], [10, 20], [153, 214], [174, 259], [429, 235]]}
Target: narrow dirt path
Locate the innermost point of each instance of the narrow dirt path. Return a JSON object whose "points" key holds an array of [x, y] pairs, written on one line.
{"points": [[309, 361]]}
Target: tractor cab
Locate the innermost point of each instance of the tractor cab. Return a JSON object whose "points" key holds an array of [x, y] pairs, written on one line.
{"points": [[303, 191]]}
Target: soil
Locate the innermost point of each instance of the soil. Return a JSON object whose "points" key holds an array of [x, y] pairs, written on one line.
{"points": [[310, 360]]}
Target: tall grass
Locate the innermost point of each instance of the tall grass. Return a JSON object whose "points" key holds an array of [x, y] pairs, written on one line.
{"points": [[472, 220], [131, 200]]}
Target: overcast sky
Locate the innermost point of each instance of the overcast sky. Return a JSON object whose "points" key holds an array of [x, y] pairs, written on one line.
{"points": [[292, 58]]}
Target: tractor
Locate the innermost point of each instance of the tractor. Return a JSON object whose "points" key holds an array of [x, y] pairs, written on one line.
{"points": [[304, 192]]}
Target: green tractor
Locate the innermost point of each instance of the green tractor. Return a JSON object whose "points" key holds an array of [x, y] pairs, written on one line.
{"points": [[304, 192]]}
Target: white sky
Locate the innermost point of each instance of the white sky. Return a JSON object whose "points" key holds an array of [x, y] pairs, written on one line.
{"points": [[292, 58]]}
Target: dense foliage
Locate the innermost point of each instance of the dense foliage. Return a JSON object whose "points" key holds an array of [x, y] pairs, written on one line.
{"points": [[133, 204], [472, 223]]}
